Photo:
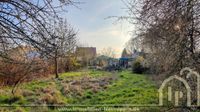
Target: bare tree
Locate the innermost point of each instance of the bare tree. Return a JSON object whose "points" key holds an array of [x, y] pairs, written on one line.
{"points": [[25, 22], [20, 20], [64, 42], [110, 52], [170, 29], [134, 44]]}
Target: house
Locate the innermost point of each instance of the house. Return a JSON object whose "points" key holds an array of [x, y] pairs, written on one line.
{"points": [[104, 61], [85, 55], [127, 59]]}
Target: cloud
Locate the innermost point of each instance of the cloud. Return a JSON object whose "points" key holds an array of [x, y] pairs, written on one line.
{"points": [[111, 36]]}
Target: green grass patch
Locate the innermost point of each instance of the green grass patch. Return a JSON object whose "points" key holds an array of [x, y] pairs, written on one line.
{"points": [[124, 88], [127, 89]]}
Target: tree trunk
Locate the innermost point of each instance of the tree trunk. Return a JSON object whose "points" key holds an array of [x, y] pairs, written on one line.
{"points": [[56, 66]]}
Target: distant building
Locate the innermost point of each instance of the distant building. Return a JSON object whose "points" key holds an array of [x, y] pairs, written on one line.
{"points": [[86, 54], [137, 53], [104, 61], [127, 59]]}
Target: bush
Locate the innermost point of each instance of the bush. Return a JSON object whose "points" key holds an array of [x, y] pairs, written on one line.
{"points": [[15, 70], [137, 65]]}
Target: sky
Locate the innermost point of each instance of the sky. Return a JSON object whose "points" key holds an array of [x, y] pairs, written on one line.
{"points": [[94, 27]]}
